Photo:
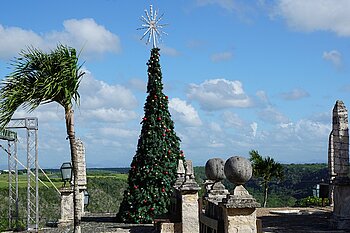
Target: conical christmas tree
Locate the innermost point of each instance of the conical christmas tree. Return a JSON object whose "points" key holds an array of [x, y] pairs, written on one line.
{"points": [[153, 169]]}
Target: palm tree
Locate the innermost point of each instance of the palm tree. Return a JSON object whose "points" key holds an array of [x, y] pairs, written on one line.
{"points": [[267, 169], [39, 78]]}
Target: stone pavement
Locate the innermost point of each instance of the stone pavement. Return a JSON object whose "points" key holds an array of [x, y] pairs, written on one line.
{"points": [[309, 220], [95, 223]]}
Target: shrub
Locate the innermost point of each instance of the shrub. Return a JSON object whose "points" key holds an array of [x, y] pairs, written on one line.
{"points": [[311, 201]]}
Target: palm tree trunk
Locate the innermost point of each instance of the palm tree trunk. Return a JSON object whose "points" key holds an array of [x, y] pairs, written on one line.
{"points": [[266, 187], [74, 156]]}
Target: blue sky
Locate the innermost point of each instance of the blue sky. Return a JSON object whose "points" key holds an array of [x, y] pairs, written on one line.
{"points": [[240, 75]]}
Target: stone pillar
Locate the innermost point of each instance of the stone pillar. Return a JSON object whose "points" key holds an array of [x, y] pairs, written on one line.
{"points": [[82, 181], [81, 164], [338, 151], [66, 205], [338, 164], [341, 211], [67, 208], [189, 201], [180, 174], [239, 208]]}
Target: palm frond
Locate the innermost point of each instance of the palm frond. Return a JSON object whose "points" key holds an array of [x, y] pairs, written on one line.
{"points": [[39, 78]]}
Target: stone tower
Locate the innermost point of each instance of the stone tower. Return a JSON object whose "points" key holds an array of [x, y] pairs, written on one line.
{"points": [[338, 150], [338, 164]]}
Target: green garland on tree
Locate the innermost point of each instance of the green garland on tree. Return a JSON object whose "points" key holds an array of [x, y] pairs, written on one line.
{"points": [[153, 168]]}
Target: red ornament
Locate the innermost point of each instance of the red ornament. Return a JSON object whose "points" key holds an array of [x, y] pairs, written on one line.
{"points": [[166, 97], [166, 173], [159, 118], [152, 209], [155, 96], [136, 187], [163, 190], [163, 134], [145, 118], [144, 201], [169, 151]]}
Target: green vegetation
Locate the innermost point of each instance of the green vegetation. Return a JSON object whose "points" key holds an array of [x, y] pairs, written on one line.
{"points": [[299, 180], [267, 170], [22, 181], [106, 191], [312, 201]]}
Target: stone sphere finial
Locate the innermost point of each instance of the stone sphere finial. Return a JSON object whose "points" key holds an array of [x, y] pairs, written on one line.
{"points": [[214, 169], [238, 170]]}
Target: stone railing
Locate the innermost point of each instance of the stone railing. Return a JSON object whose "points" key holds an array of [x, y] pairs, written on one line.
{"points": [[225, 212]]}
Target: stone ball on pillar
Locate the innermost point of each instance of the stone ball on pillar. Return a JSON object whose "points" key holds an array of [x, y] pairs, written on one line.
{"points": [[238, 170], [214, 169]]}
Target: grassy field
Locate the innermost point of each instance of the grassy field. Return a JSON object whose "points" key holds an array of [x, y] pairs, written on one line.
{"points": [[22, 181], [105, 189]]}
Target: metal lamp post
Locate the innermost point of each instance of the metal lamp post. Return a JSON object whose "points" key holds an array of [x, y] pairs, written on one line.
{"points": [[86, 198], [66, 172]]}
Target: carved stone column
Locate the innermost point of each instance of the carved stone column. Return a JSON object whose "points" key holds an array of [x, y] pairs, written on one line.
{"points": [[66, 205], [239, 208], [189, 201]]}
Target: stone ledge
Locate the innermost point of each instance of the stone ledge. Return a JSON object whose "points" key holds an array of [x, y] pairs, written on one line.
{"points": [[240, 203]]}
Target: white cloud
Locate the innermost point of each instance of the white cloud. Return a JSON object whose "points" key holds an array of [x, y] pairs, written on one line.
{"points": [[99, 94], [106, 121], [14, 39], [99, 102], [217, 94], [215, 127], [138, 84], [304, 130], [90, 36], [184, 113], [334, 57], [46, 113], [223, 56], [314, 15], [254, 127], [232, 119], [85, 34], [295, 94], [272, 115], [226, 4], [169, 51], [110, 114], [118, 132], [263, 97]]}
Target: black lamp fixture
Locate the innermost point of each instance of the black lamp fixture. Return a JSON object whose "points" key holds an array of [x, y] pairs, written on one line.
{"points": [[86, 198], [66, 172]]}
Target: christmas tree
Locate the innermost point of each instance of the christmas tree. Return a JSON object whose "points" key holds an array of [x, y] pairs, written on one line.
{"points": [[153, 168]]}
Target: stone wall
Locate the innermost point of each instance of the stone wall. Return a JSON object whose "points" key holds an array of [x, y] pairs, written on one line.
{"points": [[81, 164]]}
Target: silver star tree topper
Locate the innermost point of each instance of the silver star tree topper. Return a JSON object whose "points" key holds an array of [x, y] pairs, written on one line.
{"points": [[152, 27]]}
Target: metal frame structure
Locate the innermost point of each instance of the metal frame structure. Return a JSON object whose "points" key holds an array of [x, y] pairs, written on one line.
{"points": [[11, 138], [31, 126]]}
